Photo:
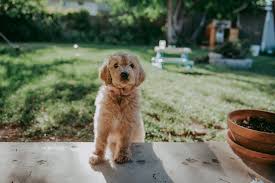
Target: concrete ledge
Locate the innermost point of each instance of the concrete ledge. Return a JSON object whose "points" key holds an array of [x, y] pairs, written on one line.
{"points": [[151, 162], [233, 63]]}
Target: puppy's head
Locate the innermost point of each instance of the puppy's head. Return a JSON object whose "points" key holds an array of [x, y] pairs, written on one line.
{"points": [[122, 70]]}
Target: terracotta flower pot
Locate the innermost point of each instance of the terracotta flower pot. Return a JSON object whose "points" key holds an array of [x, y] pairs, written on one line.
{"points": [[248, 154], [252, 139]]}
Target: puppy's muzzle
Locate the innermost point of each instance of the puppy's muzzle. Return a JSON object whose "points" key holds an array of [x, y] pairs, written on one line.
{"points": [[124, 75]]}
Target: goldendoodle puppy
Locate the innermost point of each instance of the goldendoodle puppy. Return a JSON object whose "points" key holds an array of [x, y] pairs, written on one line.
{"points": [[117, 120]]}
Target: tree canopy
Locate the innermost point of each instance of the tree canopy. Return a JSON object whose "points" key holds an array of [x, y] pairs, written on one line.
{"points": [[155, 8], [21, 8], [177, 10]]}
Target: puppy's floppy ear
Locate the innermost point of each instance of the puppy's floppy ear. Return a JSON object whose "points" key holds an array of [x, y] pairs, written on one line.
{"points": [[141, 75], [104, 73]]}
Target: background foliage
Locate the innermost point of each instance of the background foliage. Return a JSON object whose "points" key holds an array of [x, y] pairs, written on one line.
{"points": [[139, 22], [29, 21]]}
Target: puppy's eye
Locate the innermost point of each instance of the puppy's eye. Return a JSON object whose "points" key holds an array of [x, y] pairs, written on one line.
{"points": [[132, 65], [116, 66]]}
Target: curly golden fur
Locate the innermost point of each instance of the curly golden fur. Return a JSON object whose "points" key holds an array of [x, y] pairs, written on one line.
{"points": [[117, 120]]}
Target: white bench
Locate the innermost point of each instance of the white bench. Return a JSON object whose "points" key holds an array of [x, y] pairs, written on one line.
{"points": [[159, 60]]}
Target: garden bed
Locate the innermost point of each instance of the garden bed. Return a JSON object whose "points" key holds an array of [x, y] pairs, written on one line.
{"points": [[231, 63], [232, 54]]}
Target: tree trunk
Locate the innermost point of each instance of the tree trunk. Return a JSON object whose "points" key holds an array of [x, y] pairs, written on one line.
{"points": [[174, 20], [170, 31], [199, 29]]}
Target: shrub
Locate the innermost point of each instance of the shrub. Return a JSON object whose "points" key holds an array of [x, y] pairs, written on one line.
{"points": [[201, 59], [235, 50], [28, 21]]}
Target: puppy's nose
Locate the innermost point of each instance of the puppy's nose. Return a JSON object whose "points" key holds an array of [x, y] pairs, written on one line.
{"points": [[124, 75]]}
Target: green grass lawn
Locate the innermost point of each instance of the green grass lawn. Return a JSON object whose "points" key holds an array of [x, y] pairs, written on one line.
{"points": [[47, 92]]}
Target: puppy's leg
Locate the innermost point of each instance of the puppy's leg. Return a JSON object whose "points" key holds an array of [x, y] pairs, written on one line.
{"points": [[112, 147], [100, 146], [139, 133], [123, 146]]}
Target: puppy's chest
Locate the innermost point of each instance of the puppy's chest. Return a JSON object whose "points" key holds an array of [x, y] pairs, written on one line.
{"points": [[122, 110], [117, 101], [123, 104]]}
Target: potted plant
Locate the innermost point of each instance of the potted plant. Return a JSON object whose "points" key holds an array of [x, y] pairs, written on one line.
{"points": [[252, 134], [231, 54]]}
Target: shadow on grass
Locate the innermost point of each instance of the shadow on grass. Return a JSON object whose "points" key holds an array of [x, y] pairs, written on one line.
{"points": [[253, 73], [230, 99], [19, 74], [144, 52], [263, 66], [62, 91], [72, 91], [20, 50], [32, 103], [191, 73]]}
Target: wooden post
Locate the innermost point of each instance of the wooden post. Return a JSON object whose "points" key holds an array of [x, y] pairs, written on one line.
{"points": [[212, 35], [233, 34]]}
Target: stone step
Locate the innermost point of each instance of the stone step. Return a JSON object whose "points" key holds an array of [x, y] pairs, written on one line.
{"points": [[67, 162]]}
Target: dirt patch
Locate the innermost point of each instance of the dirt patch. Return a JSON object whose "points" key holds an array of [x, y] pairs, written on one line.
{"points": [[154, 116], [10, 133], [15, 133]]}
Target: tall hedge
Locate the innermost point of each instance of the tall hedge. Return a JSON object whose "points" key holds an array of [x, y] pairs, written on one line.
{"points": [[26, 20]]}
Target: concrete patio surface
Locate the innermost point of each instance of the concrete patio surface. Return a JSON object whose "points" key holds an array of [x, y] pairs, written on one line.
{"points": [[50, 162]]}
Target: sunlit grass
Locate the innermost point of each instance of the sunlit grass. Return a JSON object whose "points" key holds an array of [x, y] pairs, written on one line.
{"points": [[49, 89]]}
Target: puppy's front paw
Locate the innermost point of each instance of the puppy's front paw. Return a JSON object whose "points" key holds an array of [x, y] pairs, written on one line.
{"points": [[95, 159], [122, 158]]}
